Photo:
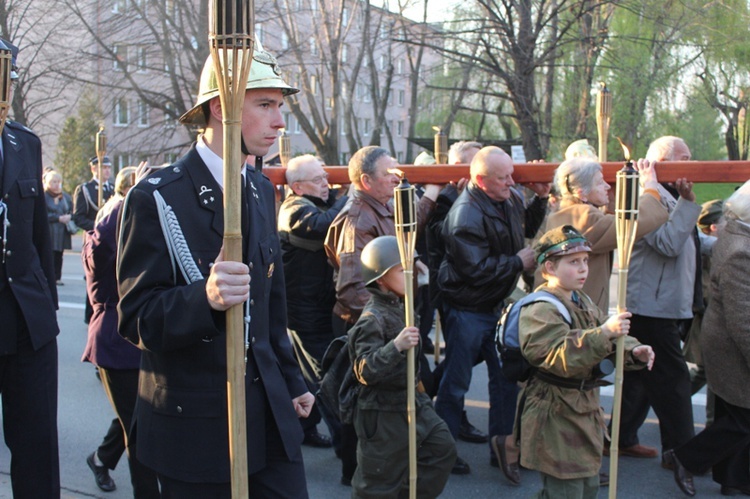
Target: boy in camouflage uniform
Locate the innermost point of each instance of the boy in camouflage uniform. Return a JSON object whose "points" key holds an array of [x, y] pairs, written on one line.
{"points": [[562, 425], [377, 347]]}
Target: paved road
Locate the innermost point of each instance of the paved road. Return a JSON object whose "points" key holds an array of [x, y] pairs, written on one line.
{"points": [[84, 415]]}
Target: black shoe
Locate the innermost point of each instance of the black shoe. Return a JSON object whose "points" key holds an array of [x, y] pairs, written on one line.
{"points": [[603, 479], [469, 433], [101, 475], [346, 481], [682, 476], [315, 439], [735, 491], [461, 467]]}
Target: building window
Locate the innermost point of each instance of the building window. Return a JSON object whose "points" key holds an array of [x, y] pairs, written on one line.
{"points": [[141, 59], [313, 46], [287, 117], [170, 157], [260, 33], [344, 52], [345, 17], [344, 158], [284, 40], [400, 129], [360, 91], [297, 127], [169, 115], [367, 93], [314, 5], [367, 127], [400, 66], [400, 156], [170, 8], [385, 91], [383, 62], [121, 161], [139, 6], [383, 31], [143, 110], [121, 57], [314, 85], [329, 103], [122, 113], [401, 98], [118, 6]]}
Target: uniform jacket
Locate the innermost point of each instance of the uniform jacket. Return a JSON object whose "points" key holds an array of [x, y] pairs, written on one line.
{"points": [[661, 278], [378, 365], [310, 292], [480, 267], [725, 338], [361, 220], [28, 272], [105, 347], [562, 428], [59, 235], [599, 229], [85, 199], [180, 419]]}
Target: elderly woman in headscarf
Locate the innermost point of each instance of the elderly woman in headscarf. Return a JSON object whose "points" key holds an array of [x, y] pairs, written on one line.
{"points": [[725, 342], [59, 206], [584, 192]]}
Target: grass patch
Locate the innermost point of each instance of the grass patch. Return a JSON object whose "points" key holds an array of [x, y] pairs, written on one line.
{"points": [[707, 192]]}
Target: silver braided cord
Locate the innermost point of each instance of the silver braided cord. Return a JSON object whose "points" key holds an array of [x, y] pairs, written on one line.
{"points": [[6, 223], [179, 251]]}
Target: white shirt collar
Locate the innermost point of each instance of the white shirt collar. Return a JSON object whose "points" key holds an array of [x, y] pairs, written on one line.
{"points": [[213, 161]]}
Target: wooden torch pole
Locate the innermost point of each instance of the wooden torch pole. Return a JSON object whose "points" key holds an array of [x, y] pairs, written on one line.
{"points": [[626, 223], [406, 234], [101, 151], [6, 65], [441, 158], [603, 116], [231, 41]]}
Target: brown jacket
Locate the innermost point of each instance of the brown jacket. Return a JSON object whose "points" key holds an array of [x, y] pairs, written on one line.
{"points": [[599, 229], [361, 220], [725, 339]]}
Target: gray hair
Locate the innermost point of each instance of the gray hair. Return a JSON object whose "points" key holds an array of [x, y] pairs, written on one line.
{"points": [[458, 151], [295, 169], [737, 206], [576, 173], [363, 163], [662, 149]]}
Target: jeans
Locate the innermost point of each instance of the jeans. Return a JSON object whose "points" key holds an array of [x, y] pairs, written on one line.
{"points": [[471, 335]]}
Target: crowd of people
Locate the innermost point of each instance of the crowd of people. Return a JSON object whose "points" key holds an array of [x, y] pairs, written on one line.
{"points": [[324, 266]]}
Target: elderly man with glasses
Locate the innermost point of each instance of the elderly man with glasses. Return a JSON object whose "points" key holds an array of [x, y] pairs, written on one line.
{"points": [[304, 219]]}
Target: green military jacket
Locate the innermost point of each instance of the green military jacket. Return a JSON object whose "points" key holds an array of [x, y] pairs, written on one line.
{"points": [[562, 429], [378, 365]]}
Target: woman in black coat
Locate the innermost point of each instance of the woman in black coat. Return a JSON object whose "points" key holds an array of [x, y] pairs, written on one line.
{"points": [[59, 206]]}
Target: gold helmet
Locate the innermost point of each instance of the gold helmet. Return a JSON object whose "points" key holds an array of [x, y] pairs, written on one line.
{"points": [[264, 73]]}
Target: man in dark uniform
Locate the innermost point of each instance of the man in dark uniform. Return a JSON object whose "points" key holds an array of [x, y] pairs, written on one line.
{"points": [[86, 195], [86, 205], [28, 322], [174, 289]]}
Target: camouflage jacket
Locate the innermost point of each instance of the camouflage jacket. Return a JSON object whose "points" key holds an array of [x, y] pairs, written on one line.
{"points": [[562, 429]]}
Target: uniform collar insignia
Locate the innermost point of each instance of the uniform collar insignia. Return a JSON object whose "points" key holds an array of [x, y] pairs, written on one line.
{"points": [[154, 181], [206, 195]]}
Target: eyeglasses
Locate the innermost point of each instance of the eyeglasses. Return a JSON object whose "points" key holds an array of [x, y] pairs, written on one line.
{"points": [[317, 180]]}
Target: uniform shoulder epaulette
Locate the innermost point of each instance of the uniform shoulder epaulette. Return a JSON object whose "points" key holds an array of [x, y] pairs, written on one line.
{"points": [[163, 177], [17, 126]]}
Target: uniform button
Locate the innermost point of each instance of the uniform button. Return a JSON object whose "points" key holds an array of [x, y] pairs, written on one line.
{"points": [[10, 280], [250, 265], [8, 253], [210, 265], [253, 340], [179, 409], [252, 302]]}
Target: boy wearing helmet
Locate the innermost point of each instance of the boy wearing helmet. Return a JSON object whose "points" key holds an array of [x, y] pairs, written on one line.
{"points": [[561, 423], [377, 347], [174, 288]]}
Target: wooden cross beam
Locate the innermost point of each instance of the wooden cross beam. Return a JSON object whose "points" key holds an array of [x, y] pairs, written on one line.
{"points": [[694, 171]]}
